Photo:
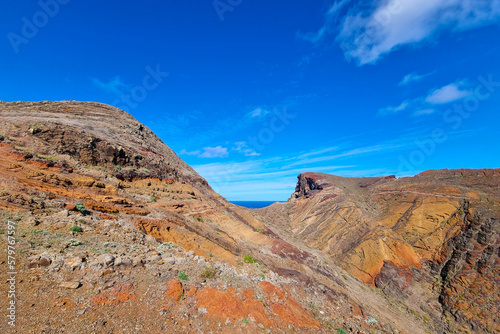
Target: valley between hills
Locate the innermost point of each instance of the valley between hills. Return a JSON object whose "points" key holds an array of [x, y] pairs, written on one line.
{"points": [[114, 233]]}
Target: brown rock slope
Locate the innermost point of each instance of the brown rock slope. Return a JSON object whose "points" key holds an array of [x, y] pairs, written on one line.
{"points": [[430, 242], [115, 234]]}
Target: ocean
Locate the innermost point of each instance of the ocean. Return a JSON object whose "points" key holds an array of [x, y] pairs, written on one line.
{"points": [[253, 204]]}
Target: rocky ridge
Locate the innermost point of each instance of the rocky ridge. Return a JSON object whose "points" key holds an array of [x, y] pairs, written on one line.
{"points": [[115, 233]]}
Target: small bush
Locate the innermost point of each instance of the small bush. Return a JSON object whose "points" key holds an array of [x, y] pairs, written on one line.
{"points": [[249, 259], [245, 321], [341, 331], [153, 199], [183, 276], [75, 229], [199, 219], [74, 242], [208, 273], [81, 207]]}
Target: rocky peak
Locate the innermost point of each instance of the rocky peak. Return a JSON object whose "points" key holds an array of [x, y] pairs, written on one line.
{"points": [[308, 184]]}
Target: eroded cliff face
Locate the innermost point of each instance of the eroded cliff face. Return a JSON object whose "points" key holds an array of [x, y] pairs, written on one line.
{"points": [[430, 241], [115, 233]]}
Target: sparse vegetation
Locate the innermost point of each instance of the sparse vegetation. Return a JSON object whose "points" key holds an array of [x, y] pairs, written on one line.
{"points": [[183, 276], [249, 259], [74, 242], [81, 207], [153, 199], [245, 321], [208, 273], [75, 229], [341, 331]]}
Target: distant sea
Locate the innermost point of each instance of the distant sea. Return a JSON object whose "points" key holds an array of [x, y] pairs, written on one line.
{"points": [[253, 204]]}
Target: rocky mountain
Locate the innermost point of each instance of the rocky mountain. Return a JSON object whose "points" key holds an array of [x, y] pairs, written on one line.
{"points": [[430, 243], [111, 232]]}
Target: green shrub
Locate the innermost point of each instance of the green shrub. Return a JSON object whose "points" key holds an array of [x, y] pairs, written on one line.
{"points": [[341, 331], [153, 199], [75, 229], [81, 207], [249, 259], [183, 276], [208, 273], [245, 321]]}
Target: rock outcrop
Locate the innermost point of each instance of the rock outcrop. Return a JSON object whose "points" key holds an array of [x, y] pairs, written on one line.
{"points": [[430, 241]]}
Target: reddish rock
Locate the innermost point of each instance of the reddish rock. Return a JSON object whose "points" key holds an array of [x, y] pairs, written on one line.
{"points": [[175, 290], [192, 291], [287, 308], [70, 207], [99, 299]]}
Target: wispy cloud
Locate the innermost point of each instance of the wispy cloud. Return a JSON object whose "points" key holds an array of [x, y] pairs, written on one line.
{"points": [[427, 105], [413, 77], [208, 152], [394, 110], [368, 32], [184, 152], [258, 112], [347, 154], [114, 86], [243, 148]]}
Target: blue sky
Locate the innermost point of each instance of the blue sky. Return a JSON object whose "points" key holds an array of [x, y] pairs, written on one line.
{"points": [[251, 93]]}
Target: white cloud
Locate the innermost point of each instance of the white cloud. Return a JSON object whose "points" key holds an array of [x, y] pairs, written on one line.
{"points": [[115, 86], [214, 152], [447, 94], [337, 6], [426, 105], [184, 152], [242, 147], [413, 77], [208, 152], [394, 110], [367, 34]]}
